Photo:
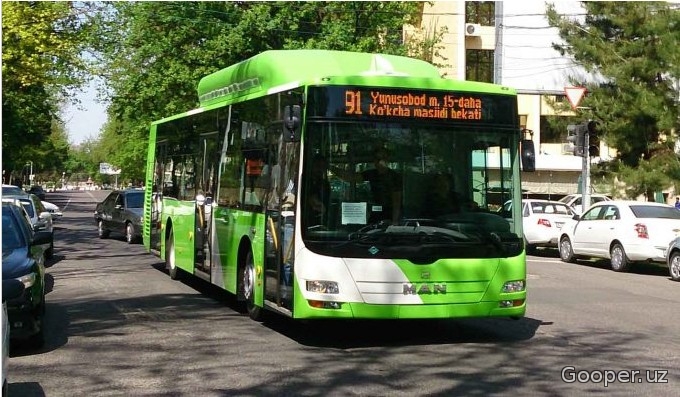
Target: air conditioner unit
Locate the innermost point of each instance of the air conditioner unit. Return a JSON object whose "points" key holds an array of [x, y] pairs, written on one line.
{"points": [[472, 29]]}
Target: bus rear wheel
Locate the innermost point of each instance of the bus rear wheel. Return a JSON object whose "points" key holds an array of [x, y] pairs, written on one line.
{"points": [[248, 285]]}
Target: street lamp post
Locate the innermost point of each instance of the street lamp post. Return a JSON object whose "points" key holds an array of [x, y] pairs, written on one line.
{"points": [[30, 176]]}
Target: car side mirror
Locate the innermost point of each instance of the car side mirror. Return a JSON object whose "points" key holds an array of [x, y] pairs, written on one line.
{"points": [[11, 288], [576, 217]]}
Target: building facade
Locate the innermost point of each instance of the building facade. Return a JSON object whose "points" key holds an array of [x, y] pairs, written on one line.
{"points": [[471, 47]]}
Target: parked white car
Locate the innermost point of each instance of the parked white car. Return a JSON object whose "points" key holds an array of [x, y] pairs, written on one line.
{"points": [[541, 221], [575, 201], [53, 209], [621, 231]]}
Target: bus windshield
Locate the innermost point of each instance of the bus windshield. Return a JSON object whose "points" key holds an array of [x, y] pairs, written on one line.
{"points": [[407, 186]]}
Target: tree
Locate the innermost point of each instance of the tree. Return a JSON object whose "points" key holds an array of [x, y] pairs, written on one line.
{"points": [[155, 53], [42, 44], [632, 47]]}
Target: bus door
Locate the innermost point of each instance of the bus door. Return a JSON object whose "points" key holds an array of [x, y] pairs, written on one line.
{"points": [[206, 164], [159, 180], [281, 224]]}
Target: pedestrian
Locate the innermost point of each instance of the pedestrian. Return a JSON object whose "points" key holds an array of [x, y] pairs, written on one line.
{"points": [[677, 203]]}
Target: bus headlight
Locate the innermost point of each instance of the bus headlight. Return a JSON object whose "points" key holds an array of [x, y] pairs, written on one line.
{"points": [[513, 286], [323, 287]]}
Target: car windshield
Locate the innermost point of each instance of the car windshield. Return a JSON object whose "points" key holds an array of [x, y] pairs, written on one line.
{"points": [[407, 189], [10, 190], [550, 208], [654, 211], [566, 199], [26, 203], [11, 238], [135, 200]]}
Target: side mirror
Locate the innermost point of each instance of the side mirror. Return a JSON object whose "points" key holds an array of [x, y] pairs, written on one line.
{"points": [[11, 288], [200, 199], [528, 155], [291, 123]]}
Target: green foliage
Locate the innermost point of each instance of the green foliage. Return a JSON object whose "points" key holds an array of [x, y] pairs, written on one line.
{"points": [[633, 47], [41, 61], [154, 53]]}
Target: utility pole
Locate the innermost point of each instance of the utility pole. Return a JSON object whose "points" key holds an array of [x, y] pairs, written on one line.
{"points": [[498, 48], [585, 169]]}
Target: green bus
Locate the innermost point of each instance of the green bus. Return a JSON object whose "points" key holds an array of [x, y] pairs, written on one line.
{"points": [[329, 184]]}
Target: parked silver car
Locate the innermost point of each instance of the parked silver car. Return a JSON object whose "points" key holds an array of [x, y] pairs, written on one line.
{"points": [[39, 217], [673, 259]]}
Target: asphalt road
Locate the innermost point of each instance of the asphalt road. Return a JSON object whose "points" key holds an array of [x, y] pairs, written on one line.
{"points": [[117, 325]]}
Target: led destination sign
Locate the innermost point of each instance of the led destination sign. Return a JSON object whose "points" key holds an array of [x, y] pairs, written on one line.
{"points": [[413, 105], [389, 103]]}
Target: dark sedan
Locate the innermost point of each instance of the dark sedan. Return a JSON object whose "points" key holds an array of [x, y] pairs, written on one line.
{"points": [[38, 191], [23, 260], [121, 212]]}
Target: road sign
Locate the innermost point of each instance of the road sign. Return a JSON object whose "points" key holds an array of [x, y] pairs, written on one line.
{"points": [[574, 95], [108, 169]]}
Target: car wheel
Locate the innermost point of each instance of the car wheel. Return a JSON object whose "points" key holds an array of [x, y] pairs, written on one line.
{"points": [[38, 339], [618, 258], [674, 266], [49, 254], [170, 263], [566, 251], [530, 249], [103, 233], [129, 233], [248, 285]]}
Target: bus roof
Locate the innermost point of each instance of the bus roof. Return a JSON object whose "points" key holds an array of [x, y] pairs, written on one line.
{"points": [[280, 70]]}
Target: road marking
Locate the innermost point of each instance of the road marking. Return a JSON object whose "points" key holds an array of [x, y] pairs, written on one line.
{"points": [[67, 203]]}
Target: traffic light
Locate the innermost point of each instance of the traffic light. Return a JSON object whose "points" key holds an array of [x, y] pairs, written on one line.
{"points": [[576, 134], [593, 139]]}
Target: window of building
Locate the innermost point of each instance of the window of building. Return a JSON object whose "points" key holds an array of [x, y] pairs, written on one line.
{"points": [[554, 129], [479, 65], [523, 121], [481, 12]]}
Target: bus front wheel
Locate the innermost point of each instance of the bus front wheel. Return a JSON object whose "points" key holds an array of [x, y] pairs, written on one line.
{"points": [[248, 285], [170, 264]]}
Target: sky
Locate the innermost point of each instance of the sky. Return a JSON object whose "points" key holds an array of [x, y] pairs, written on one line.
{"points": [[529, 63]]}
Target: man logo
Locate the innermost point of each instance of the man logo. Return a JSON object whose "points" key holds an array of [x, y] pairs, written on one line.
{"points": [[421, 289]]}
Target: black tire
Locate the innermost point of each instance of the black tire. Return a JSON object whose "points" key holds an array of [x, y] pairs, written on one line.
{"points": [[38, 339], [49, 253], [173, 271], [566, 250], [674, 266], [248, 286], [530, 249], [129, 233], [618, 259], [103, 233]]}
